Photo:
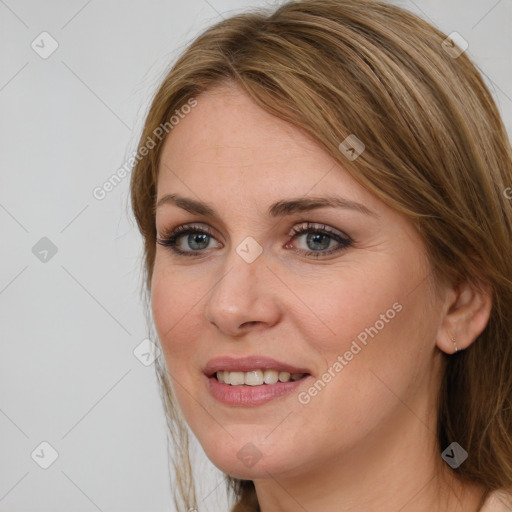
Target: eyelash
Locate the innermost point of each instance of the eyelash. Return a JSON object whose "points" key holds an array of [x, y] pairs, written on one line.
{"points": [[169, 239]]}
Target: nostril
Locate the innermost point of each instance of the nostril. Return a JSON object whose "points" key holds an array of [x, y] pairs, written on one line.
{"points": [[249, 323]]}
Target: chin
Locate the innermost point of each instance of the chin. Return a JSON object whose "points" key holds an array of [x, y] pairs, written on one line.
{"points": [[252, 460], [236, 468]]}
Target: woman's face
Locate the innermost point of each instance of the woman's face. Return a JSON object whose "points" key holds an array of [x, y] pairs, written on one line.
{"points": [[354, 313]]}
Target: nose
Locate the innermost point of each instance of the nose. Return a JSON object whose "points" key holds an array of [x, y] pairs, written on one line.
{"points": [[244, 296]]}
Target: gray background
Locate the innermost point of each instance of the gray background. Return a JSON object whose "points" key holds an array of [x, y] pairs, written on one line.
{"points": [[69, 325]]}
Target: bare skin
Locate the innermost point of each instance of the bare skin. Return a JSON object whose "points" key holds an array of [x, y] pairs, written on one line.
{"points": [[366, 442]]}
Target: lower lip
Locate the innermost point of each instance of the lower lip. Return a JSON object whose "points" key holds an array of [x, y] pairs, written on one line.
{"points": [[250, 396]]}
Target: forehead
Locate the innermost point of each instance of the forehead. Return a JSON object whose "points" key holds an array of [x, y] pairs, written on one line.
{"points": [[228, 126], [229, 146]]}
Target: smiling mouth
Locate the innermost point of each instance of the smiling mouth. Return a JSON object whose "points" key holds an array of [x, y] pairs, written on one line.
{"points": [[256, 377]]}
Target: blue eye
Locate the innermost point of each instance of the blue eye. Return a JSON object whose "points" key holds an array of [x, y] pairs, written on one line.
{"points": [[196, 236], [319, 238]]}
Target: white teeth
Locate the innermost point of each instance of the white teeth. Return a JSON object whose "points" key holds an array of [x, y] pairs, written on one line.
{"points": [[236, 378], [256, 377], [284, 376], [270, 376]]}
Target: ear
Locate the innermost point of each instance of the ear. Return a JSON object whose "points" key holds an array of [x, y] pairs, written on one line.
{"points": [[466, 312]]}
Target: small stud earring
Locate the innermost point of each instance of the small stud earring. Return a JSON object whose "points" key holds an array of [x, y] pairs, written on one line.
{"points": [[456, 348]]}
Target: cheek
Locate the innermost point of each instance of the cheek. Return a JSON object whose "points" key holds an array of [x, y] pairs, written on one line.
{"points": [[385, 354], [172, 296], [352, 308], [173, 313], [166, 308], [383, 303], [173, 304], [380, 326]]}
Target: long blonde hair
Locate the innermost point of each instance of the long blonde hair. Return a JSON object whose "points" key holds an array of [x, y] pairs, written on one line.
{"points": [[436, 150]]}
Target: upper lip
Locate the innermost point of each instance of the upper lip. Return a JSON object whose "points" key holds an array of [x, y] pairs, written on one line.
{"points": [[248, 363]]}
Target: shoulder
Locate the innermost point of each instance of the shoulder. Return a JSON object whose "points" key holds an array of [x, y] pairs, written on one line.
{"points": [[498, 501]]}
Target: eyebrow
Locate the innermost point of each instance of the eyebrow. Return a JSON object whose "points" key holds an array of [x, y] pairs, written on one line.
{"points": [[278, 209]]}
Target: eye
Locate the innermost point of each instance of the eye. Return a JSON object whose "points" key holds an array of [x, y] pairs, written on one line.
{"points": [[198, 238], [318, 239]]}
